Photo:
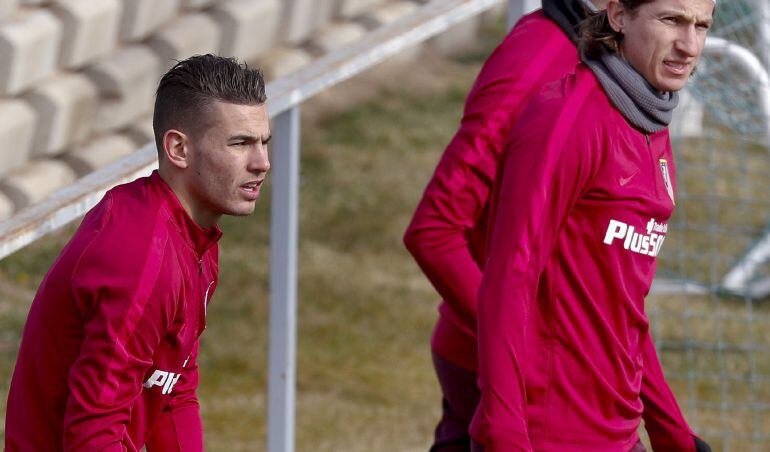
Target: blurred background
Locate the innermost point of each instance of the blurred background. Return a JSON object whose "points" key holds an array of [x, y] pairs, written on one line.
{"points": [[77, 79]]}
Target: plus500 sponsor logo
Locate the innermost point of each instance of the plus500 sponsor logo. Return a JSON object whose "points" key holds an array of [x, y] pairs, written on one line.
{"points": [[166, 380], [648, 244]]}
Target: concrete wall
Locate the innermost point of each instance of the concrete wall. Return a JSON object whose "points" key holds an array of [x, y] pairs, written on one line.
{"points": [[78, 76]]}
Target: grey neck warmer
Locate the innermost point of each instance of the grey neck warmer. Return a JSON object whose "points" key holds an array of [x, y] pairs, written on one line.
{"points": [[641, 104]]}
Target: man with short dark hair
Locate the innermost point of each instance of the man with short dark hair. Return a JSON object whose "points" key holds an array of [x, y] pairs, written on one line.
{"points": [[108, 356]]}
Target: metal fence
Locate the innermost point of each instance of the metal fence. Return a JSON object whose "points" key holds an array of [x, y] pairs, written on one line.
{"points": [[709, 309]]}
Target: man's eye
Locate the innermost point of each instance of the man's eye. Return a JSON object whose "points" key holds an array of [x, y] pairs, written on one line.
{"points": [[671, 20]]}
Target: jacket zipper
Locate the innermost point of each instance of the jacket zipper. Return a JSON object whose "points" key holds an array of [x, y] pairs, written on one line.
{"points": [[201, 283]]}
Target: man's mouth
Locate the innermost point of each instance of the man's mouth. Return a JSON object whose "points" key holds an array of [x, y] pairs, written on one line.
{"points": [[677, 67], [252, 186]]}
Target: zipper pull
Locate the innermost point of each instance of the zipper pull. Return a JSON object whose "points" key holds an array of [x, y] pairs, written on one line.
{"points": [[200, 266], [647, 137]]}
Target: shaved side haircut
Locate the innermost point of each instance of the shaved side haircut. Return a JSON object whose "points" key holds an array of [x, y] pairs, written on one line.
{"points": [[189, 88]]}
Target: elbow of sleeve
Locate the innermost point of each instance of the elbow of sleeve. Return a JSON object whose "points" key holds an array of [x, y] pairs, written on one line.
{"points": [[495, 437], [412, 242], [671, 438], [507, 442]]}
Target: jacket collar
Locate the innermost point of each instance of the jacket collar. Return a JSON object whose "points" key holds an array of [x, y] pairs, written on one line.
{"points": [[198, 238]]}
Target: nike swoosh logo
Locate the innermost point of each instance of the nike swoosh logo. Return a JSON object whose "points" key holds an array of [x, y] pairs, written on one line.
{"points": [[624, 180]]}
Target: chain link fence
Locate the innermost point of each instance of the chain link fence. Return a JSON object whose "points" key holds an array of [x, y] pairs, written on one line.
{"points": [[710, 304]]}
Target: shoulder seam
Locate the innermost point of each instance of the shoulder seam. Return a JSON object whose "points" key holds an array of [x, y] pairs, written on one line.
{"points": [[109, 197]]}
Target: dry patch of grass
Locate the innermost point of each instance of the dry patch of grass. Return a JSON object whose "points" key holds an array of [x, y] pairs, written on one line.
{"points": [[722, 206], [716, 354]]}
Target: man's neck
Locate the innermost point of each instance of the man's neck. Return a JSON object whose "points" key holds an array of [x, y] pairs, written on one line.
{"points": [[199, 215]]}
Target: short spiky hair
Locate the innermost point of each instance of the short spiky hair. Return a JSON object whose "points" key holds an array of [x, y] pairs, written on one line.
{"points": [[188, 88]]}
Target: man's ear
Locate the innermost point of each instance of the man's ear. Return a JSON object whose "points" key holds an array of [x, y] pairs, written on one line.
{"points": [[616, 15], [176, 147]]}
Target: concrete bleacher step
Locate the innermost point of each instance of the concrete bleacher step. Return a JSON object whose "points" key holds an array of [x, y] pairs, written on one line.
{"points": [[191, 34], [6, 207], [249, 27], [140, 131], [35, 181], [141, 18], [66, 108], [198, 4], [7, 7], [388, 13], [352, 8], [29, 49], [90, 29], [303, 17], [281, 61], [126, 81], [17, 130], [99, 153], [337, 35]]}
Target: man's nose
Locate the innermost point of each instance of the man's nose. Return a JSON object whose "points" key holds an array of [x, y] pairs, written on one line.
{"points": [[259, 161], [688, 42]]}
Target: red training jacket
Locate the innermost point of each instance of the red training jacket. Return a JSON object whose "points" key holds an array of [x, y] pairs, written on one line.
{"points": [[108, 355], [447, 235], [580, 216]]}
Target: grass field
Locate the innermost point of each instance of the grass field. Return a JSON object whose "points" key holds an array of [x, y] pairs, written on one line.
{"points": [[365, 382]]}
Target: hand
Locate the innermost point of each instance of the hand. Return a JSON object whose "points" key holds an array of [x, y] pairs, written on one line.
{"points": [[701, 446]]}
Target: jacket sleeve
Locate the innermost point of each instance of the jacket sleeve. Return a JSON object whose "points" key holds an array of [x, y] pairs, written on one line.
{"points": [[663, 420], [179, 427], [124, 318], [455, 199], [549, 166]]}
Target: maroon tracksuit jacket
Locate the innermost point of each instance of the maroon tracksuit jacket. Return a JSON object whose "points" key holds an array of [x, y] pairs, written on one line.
{"points": [[448, 233], [108, 356], [581, 214]]}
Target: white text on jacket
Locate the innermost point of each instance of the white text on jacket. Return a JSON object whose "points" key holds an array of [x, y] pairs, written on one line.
{"points": [[162, 378], [638, 242]]}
